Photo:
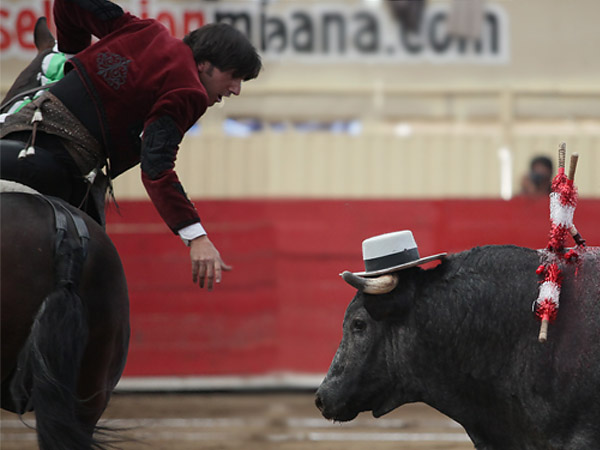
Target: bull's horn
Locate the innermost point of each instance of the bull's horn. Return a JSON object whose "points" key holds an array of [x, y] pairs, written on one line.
{"points": [[379, 285]]}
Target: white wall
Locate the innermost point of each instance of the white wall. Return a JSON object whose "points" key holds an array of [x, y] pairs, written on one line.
{"points": [[454, 115]]}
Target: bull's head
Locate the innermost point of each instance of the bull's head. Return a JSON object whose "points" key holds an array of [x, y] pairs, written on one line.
{"points": [[375, 349]]}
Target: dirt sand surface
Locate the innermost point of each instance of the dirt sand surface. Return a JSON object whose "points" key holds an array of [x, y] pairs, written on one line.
{"points": [[255, 421]]}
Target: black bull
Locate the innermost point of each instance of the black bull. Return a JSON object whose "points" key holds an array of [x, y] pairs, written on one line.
{"points": [[461, 337]]}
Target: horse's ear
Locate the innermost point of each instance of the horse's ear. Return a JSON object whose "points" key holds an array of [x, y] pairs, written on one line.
{"points": [[42, 36]]}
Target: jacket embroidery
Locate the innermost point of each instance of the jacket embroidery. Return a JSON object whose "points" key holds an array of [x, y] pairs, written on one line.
{"points": [[113, 68]]}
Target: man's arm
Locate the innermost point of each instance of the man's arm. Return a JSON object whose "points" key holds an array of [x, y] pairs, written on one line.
{"points": [[77, 20], [159, 148]]}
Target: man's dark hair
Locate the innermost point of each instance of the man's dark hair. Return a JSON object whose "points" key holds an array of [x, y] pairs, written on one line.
{"points": [[226, 48]]}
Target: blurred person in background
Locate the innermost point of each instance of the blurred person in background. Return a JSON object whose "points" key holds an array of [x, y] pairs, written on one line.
{"points": [[538, 181], [128, 98]]}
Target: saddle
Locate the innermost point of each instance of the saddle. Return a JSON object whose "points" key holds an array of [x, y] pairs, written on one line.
{"points": [[97, 187]]}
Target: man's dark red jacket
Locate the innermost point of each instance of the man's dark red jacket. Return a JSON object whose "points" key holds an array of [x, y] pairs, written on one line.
{"points": [[141, 80]]}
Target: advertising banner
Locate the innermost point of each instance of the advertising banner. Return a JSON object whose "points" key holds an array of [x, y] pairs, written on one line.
{"points": [[302, 32]]}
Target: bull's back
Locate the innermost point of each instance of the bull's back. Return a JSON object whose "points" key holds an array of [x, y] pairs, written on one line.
{"points": [[576, 332]]}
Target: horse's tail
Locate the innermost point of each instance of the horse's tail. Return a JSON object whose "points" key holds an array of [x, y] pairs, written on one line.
{"points": [[48, 365], [47, 368]]}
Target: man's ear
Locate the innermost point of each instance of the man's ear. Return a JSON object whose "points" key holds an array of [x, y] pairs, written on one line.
{"points": [[202, 66]]}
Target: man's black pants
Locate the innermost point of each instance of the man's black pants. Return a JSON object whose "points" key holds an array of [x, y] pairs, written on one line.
{"points": [[50, 170]]}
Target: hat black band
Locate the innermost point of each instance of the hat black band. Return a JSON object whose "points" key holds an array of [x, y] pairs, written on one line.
{"points": [[392, 260]]}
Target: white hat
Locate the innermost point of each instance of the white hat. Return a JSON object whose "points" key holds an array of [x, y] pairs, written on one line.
{"points": [[391, 252]]}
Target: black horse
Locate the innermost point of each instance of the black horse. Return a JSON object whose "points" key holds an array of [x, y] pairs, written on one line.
{"points": [[64, 311]]}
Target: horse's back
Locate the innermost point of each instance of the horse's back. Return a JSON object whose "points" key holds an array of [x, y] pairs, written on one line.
{"points": [[28, 276], [27, 270], [104, 289]]}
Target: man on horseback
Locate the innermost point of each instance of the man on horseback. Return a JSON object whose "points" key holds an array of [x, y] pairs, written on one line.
{"points": [[127, 99]]}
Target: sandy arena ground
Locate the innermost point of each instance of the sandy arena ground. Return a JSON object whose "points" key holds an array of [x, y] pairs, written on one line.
{"points": [[256, 421]]}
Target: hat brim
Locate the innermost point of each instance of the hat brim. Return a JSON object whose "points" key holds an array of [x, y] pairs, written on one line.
{"points": [[417, 262]]}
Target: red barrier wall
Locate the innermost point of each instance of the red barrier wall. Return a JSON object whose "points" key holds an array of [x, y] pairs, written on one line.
{"points": [[282, 306]]}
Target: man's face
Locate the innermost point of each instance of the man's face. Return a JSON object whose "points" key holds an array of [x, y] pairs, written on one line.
{"points": [[218, 84]]}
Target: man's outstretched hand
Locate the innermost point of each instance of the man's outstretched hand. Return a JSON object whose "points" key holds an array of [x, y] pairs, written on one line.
{"points": [[207, 264]]}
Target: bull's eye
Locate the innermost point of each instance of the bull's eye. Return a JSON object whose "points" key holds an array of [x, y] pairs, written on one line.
{"points": [[359, 325]]}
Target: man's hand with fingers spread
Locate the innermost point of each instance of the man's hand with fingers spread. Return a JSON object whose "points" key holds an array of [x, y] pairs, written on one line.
{"points": [[207, 264]]}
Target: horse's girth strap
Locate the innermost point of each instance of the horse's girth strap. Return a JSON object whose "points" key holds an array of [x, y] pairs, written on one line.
{"points": [[69, 256]]}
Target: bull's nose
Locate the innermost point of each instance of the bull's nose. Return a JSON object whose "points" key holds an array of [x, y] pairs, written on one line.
{"points": [[319, 403]]}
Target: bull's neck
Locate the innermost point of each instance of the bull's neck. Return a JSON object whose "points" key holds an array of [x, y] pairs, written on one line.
{"points": [[471, 315]]}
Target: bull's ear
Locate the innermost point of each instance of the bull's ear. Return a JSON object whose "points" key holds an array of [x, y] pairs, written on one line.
{"points": [[393, 305]]}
